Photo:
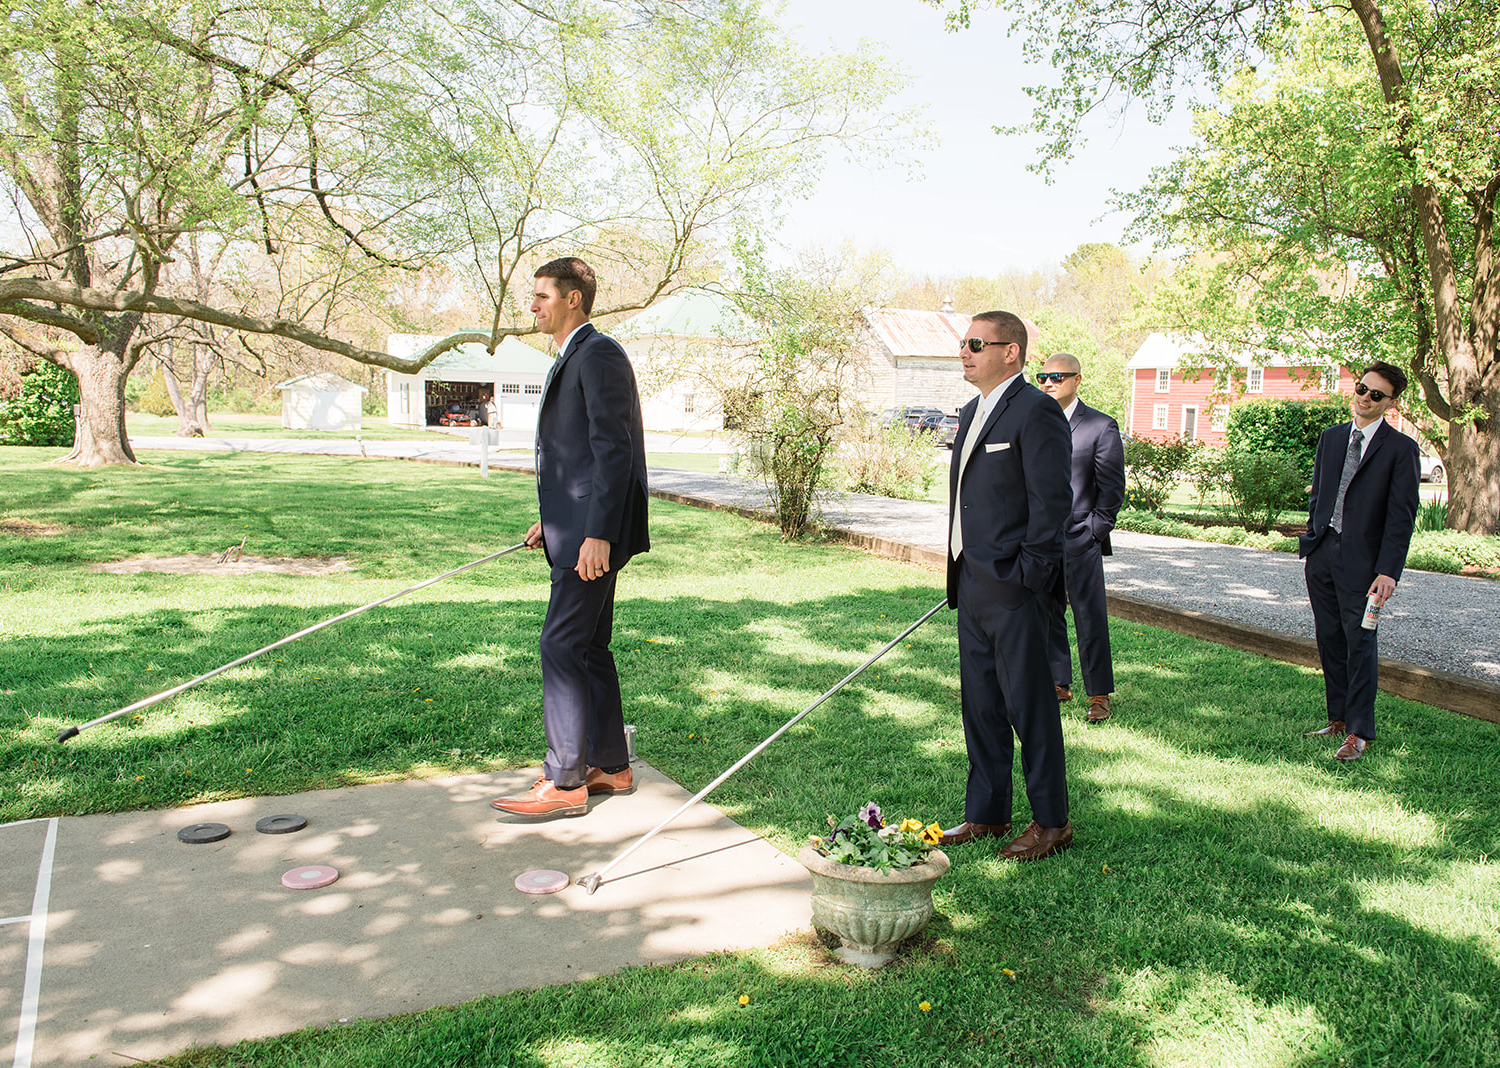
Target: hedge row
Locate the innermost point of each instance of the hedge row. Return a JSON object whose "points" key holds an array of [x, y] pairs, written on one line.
{"points": [[1447, 551]]}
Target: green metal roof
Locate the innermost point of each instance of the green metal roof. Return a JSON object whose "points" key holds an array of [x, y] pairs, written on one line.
{"points": [[687, 313], [511, 356]]}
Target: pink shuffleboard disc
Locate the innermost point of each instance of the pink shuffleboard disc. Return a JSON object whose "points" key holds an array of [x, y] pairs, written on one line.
{"points": [[309, 878], [541, 881]]}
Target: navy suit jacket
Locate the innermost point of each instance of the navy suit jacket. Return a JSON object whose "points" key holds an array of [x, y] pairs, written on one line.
{"points": [[1016, 495], [1380, 505], [591, 453], [1098, 478]]}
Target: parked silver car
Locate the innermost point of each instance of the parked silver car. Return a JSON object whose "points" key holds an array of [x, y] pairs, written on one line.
{"points": [[1432, 468]]}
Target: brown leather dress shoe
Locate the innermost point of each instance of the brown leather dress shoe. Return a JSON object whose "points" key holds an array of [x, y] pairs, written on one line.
{"points": [[545, 799], [610, 782], [1352, 749], [1098, 708], [972, 832], [1063, 693], [1037, 842], [1332, 728]]}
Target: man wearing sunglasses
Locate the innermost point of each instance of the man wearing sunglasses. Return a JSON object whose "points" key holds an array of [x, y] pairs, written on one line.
{"points": [[1360, 519], [1098, 484], [1009, 498]]}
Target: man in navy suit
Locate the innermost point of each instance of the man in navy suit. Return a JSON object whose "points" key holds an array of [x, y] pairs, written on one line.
{"points": [[591, 486], [1009, 500], [1360, 519], [1098, 484]]}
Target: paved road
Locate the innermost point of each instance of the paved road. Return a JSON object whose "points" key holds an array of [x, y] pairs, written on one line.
{"points": [[1445, 622]]}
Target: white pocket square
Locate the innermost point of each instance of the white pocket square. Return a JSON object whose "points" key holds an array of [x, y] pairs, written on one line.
{"points": [[997, 446]]}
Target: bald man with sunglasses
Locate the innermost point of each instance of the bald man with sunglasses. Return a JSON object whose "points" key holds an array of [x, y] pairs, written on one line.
{"points": [[1009, 498], [1360, 519], [1098, 486]]}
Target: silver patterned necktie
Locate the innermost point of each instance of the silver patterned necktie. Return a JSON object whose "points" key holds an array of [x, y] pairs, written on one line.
{"points": [[1351, 462]]}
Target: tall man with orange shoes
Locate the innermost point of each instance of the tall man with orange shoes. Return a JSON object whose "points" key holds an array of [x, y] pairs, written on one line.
{"points": [[591, 486]]}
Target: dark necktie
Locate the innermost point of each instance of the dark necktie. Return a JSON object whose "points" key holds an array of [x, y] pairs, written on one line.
{"points": [[1351, 461]]}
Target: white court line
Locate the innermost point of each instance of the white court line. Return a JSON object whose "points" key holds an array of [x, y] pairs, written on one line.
{"points": [[15, 919], [30, 994]]}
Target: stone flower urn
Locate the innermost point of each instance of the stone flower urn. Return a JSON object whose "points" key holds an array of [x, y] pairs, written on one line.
{"points": [[871, 912]]}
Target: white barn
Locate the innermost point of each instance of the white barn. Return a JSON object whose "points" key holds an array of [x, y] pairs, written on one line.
{"points": [[321, 401], [500, 388], [675, 346]]}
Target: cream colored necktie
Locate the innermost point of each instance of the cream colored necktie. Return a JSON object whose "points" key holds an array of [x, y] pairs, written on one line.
{"points": [[956, 537]]}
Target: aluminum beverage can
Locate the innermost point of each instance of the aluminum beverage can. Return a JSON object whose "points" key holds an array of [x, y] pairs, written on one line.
{"points": [[1372, 614]]}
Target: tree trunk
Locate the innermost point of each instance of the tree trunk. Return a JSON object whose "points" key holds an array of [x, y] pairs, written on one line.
{"points": [[1473, 464], [100, 438], [203, 362]]}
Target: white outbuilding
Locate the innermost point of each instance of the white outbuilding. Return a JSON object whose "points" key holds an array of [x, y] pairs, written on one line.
{"points": [[321, 401], [467, 385]]}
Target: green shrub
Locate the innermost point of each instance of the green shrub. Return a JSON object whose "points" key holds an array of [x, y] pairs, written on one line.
{"points": [[1210, 475], [1291, 427], [154, 399], [1262, 485], [42, 412], [1152, 469], [1450, 551], [889, 462]]}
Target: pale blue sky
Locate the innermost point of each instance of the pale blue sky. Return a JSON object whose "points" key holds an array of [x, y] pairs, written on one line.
{"points": [[974, 208]]}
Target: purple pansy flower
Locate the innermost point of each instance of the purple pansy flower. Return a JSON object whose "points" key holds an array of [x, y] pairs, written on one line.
{"points": [[871, 815]]}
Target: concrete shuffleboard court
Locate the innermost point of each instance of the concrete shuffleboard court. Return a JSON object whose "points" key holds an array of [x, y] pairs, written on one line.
{"points": [[121, 943]]}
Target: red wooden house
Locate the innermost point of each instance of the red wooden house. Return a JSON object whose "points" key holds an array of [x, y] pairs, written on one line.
{"points": [[1167, 401]]}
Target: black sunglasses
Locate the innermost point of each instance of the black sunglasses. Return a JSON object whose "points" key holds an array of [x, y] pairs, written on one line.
{"points": [[1375, 394], [975, 344], [1053, 376]]}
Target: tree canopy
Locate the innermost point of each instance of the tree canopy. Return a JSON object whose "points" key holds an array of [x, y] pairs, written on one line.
{"points": [[1345, 189], [322, 154]]}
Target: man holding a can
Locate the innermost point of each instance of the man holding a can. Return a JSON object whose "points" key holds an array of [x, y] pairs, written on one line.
{"points": [[1360, 519]]}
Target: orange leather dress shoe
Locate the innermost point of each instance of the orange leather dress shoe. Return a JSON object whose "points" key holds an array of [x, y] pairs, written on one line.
{"points": [[1036, 842], [972, 832], [610, 782], [1331, 728], [1352, 749], [1098, 708], [545, 799], [1063, 693]]}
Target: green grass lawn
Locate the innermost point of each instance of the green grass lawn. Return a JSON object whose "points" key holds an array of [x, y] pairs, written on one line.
{"points": [[1234, 897]]}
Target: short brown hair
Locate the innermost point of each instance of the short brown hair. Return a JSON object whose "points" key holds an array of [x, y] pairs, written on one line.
{"points": [[1391, 373], [1008, 325], [572, 273]]}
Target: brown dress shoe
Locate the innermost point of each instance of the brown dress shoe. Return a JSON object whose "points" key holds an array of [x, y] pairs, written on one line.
{"points": [[1352, 749], [1098, 708], [545, 799], [1332, 728], [1037, 842], [1063, 693], [972, 832], [610, 782]]}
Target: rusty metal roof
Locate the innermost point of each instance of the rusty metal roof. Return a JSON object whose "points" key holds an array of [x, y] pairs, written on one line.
{"points": [[907, 332]]}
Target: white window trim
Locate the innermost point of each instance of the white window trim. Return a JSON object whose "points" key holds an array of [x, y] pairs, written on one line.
{"points": [[1163, 380], [1159, 417], [1219, 416], [1255, 380]]}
